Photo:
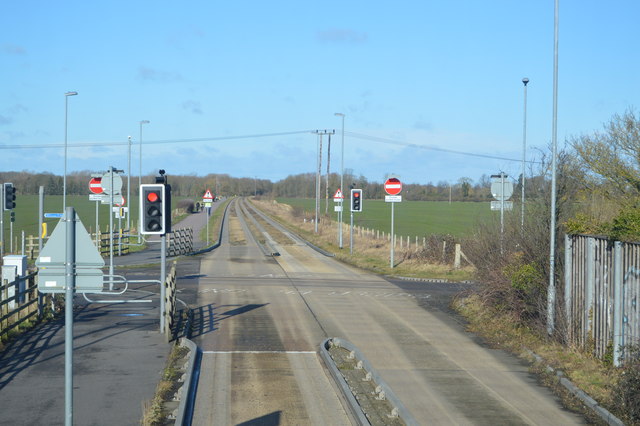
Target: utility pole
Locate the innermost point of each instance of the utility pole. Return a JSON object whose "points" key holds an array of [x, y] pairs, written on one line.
{"points": [[320, 133], [326, 204]]}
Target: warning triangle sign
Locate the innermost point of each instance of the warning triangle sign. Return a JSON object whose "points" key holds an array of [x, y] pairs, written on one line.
{"points": [[208, 195], [338, 194]]}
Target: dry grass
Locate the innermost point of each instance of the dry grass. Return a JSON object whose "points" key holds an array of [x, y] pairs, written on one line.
{"points": [[369, 253], [502, 330]]}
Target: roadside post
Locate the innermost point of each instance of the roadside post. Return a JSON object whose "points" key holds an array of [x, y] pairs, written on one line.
{"points": [[356, 206], [501, 190], [97, 195], [207, 200], [393, 187], [111, 183], [338, 197], [69, 263]]}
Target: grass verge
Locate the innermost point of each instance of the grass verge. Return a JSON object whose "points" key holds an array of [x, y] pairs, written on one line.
{"points": [[156, 412], [369, 253], [501, 330]]}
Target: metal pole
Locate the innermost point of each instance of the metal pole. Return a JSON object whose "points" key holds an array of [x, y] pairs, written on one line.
{"points": [[40, 217], [318, 181], [206, 215], [351, 236], [341, 182], [502, 213], [163, 277], [524, 149], [70, 283], [128, 202], [111, 230], [393, 236], [551, 291], [64, 178], [140, 174], [10, 234], [97, 225]]}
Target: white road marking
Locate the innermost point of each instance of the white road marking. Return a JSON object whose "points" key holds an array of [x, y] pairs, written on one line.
{"points": [[258, 352]]}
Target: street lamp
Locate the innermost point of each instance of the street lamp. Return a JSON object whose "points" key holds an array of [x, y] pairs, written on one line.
{"points": [[64, 179], [339, 114], [140, 172], [524, 148], [128, 202]]}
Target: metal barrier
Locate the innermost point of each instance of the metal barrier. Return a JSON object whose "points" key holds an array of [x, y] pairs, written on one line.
{"points": [[602, 289], [180, 242], [170, 302]]}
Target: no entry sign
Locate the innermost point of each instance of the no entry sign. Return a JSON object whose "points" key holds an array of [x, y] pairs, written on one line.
{"points": [[393, 186], [95, 186]]}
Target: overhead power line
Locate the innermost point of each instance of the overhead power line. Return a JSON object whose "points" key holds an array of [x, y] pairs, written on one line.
{"points": [[152, 142], [260, 135], [431, 148]]}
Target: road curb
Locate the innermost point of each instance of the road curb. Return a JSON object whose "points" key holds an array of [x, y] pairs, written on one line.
{"points": [[185, 407], [354, 407], [591, 403]]}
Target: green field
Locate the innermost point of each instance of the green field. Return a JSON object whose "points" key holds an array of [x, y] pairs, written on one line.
{"points": [[411, 217], [26, 213]]}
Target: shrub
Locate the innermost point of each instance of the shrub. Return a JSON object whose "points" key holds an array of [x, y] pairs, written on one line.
{"points": [[187, 205], [627, 390]]}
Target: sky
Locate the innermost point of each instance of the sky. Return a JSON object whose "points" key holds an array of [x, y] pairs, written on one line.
{"points": [[431, 91]]}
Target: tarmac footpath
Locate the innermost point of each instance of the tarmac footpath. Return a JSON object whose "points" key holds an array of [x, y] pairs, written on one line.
{"points": [[118, 357]]}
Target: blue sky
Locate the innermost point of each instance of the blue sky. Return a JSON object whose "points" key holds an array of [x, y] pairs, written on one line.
{"points": [[439, 74]]}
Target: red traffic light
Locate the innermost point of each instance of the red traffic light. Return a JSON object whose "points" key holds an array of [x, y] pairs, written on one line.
{"points": [[356, 194], [152, 197]]}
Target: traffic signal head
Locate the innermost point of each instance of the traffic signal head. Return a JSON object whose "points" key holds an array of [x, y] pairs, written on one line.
{"points": [[153, 218], [9, 196], [356, 200]]}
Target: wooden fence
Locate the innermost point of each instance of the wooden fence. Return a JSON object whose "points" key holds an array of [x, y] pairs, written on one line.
{"points": [[601, 294], [20, 301], [120, 243]]}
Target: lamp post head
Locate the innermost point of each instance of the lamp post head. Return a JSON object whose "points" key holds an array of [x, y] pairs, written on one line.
{"points": [[525, 81], [338, 114], [71, 93], [145, 122]]}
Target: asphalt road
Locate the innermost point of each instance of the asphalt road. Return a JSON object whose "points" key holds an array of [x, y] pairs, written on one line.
{"points": [[260, 320]]}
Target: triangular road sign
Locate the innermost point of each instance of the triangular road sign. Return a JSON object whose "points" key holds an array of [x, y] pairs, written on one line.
{"points": [[338, 194], [52, 273], [208, 195]]}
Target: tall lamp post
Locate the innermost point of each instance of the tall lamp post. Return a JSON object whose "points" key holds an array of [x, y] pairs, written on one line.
{"points": [[140, 171], [64, 178], [551, 290], [524, 148], [128, 202], [339, 114]]}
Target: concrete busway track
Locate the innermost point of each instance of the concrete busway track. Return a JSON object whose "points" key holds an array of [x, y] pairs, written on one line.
{"points": [[261, 320]]}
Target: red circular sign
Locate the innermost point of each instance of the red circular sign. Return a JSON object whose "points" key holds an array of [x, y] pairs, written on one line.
{"points": [[393, 186], [95, 186]]}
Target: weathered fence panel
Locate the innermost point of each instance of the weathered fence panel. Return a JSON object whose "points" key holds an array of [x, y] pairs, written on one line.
{"points": [[22, 305], [602, 289]]}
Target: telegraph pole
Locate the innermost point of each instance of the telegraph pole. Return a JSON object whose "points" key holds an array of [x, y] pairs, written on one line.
{"points": [[320, 133]]}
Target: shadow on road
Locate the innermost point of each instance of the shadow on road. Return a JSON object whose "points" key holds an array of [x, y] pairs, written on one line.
{"points": [[271, 419], [205, 318]]}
